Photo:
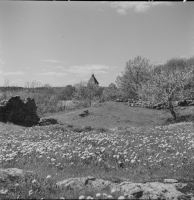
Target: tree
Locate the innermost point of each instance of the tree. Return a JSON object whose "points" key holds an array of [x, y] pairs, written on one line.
{"points": [[6, 82], [167, 83], [99, 92], [86, 92], [111, 92], [135, 74], [66, 93], [32, 86], [80, 91], [48, 89], [69, 90], [93, 91]]}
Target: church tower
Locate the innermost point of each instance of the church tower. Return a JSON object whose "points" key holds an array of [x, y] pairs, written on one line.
{"points": [[93, 80]]}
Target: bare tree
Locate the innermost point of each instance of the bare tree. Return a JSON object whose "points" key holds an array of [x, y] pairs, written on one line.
{"points": [[32, 85], [5, 90], [6, 82]]}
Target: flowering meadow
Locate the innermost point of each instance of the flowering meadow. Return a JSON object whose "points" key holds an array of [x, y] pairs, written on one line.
{"points": [[56, 153]]}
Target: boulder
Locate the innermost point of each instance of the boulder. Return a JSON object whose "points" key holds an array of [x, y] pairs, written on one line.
{"points": [[19, 112], [168, 189], [13, 174]]}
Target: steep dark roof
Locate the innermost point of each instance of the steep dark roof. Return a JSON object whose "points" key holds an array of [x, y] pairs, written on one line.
{"points": [[93, 80]]}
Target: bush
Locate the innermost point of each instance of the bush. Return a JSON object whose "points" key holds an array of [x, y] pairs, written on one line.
{"points": [[78, 129], [88, 128]]}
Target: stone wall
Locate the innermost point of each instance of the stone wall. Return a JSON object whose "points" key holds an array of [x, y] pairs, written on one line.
{"points": [[158, 106]]}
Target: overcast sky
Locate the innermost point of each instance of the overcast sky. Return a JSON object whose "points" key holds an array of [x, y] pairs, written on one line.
{"points": [[63, 43]]}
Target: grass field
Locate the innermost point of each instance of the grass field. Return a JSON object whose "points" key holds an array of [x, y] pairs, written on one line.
{"points": [[143, 151], [117, 114]]}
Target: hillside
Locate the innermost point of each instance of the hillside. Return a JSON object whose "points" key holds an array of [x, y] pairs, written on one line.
{"points": [[117, 114], [146, 154]]}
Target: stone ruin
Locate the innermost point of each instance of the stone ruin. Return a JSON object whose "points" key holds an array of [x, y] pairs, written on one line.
{"points": [[158, 106], [19, 112]]}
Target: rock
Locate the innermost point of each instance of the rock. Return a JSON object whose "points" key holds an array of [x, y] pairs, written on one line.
{"points": [[47, 121], [80, 184], [191, 103], [13, 173], [84, 113], [159, 106], [170, 181], [168, 189], [137, 193], [19, 112], [175, 103], [150, 190], [120, 100], [183, 103]]}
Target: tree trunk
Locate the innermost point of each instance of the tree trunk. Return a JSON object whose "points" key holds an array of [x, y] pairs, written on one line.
{"points": [[171, 108]]}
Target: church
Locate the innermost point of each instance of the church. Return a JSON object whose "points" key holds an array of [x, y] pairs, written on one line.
{"points": [[93, 80]]}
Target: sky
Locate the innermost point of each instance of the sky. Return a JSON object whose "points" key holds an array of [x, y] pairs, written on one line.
{"points": [[63, 43]]}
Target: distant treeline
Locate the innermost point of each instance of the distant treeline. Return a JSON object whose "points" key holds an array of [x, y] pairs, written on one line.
{"points": [[24, 88]]}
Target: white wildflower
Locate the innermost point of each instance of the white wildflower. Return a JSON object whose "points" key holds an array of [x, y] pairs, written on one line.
{"points": [[89, 197], [98, 195], [30, 192], [3, 191], [34, 181], [104, 195], [48, 176], [132, 161], [113, 191], [121, 197]]}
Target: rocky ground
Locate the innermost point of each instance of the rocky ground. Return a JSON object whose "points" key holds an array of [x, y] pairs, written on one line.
{"points": [[96, 188]]}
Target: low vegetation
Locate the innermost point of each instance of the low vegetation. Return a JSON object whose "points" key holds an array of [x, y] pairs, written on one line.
{"points": [[140, 154]]}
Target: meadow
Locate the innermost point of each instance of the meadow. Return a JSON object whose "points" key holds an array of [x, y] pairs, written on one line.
{"points": [[141, 154]]}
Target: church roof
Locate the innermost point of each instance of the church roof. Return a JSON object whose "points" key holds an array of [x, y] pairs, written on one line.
{"points": [[93, 80]]}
